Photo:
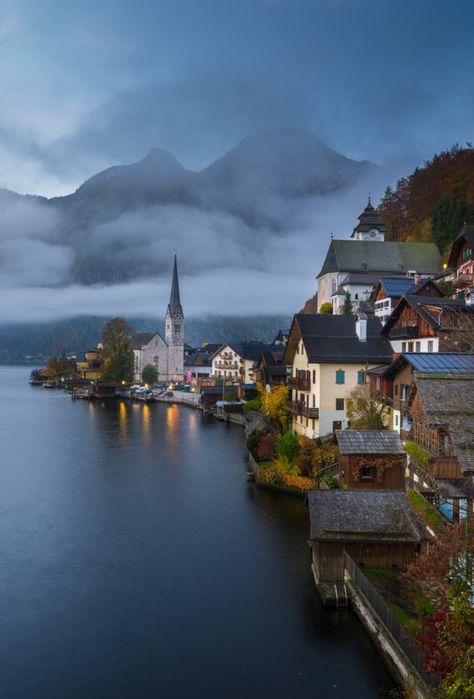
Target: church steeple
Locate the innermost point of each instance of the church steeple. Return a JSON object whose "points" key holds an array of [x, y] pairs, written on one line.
{"points": [[370, 226], [174, 321], [174, 305]]}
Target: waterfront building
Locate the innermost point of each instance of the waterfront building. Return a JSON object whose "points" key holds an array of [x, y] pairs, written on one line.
{"points": [[330, 356], [236, 361], [165, 354], [377, 529], [89, 364]]}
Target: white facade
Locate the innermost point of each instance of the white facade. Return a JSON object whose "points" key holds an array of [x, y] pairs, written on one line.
{"points": [[422, 344], [226, 363], [326, 397]]}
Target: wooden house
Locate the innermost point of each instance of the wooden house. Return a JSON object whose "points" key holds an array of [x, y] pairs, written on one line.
{"points": [[371, 460], [376, 528], [425, 324], [388, 291], [271, 370]]}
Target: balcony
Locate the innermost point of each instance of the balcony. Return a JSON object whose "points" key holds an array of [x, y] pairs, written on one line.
{"points": [[407, 331], [227, 365], [464, 280], [299, 383], [296, 407]]}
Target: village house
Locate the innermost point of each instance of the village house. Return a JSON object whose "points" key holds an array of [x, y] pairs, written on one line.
{"points": [[355, 265], [236, 361], [166, 355], [330, 356], [461, 259], [391, 384], [388, 291], [270, 369], [89, 364], [425, 324], [377, 529], [371, 460]]}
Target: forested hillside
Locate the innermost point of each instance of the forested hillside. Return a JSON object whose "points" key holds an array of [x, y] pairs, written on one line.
{"points": [[434, 202]]}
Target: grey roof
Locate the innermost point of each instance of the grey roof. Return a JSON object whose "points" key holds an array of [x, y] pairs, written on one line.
{"points": [[174, 305], [445, 362], [360, 278], [333, 339], [363, 515], [369, 442], [379, 257], [423, 305], [139, 340]]}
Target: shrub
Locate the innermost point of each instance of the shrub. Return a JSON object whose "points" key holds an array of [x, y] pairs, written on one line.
{"points": [[287, 446], [265, 449], [149, 374], [252, 440], [253, 404]]}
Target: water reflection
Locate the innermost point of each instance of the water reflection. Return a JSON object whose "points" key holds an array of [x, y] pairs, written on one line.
{"points": [[123, 418]]}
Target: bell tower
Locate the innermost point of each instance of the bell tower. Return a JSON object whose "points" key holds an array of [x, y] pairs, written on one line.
{"points": [[370, 226], [174, 328]]}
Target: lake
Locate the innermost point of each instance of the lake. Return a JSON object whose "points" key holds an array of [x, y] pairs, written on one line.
{"points": [[137, 561]]}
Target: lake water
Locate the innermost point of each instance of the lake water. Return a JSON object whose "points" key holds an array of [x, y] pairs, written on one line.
{"points": [[136, 561]]}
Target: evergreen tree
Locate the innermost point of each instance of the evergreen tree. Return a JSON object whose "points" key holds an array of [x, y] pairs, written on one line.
{"points": [[448, 219], [347, 306], [118, 353]]}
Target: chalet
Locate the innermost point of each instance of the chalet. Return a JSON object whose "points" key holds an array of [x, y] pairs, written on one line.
{"points": [[237, 360], [388, 291], [371, 460], [330, 356], [391, 384], [197, 366], [355, 265], [376, 528], [270, 369], [422, 324], [461, 259]]}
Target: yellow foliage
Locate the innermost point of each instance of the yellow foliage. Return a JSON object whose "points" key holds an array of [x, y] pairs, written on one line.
{"points": [[274, 403]]}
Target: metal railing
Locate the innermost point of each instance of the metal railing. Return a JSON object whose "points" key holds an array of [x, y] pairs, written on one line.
{"points": [[296, 407], [299, 383], [398, 632]]}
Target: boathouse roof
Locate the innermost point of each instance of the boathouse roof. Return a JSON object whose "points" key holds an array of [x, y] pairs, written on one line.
{"points": [[360, 515]]}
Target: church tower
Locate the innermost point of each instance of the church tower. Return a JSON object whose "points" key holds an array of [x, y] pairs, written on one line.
{"points": [[370, 226], [174, 329]]}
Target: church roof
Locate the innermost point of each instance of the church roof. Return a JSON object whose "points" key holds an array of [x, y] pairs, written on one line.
{"points": [[174, 305], [381, 257], [139, 340]]}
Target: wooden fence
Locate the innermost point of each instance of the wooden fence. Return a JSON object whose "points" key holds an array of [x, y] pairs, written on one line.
{"points": [[398, 632]]}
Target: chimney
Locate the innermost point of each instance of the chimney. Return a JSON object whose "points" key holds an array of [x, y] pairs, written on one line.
{"points": [[361, 327]]}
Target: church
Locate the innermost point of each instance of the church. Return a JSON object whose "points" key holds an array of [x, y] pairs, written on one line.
{"points": [[352, 267], [166, 355]]}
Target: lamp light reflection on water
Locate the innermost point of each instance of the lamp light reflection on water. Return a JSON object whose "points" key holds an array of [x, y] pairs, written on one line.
{"points": [[123, 418], [146, 419]]}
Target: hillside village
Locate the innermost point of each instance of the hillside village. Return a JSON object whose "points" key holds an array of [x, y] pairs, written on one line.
{"points": [[366, 406]]}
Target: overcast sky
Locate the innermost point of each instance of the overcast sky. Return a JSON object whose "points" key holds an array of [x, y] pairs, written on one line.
{"points": [[88, 84]]}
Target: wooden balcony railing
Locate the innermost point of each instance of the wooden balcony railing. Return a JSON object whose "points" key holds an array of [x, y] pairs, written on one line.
{"points": [[296, 407], [299, 383]]}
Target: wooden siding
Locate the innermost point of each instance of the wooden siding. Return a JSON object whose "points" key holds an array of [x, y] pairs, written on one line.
{"points": [[393, 477], [328, 557]]}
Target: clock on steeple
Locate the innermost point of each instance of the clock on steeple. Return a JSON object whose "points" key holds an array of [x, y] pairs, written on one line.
{"points": [[370, 226]]}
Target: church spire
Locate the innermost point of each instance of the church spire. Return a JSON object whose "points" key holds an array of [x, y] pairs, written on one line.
{"points": [[174, 305]]}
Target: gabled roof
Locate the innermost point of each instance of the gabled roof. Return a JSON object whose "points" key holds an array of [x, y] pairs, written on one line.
{"points": [[333, 339], [369, 442], [465, 236], [140, 340], [359, 515], [453, 363], [379, 257], [247, 350], [396, 286], [423, 305]]}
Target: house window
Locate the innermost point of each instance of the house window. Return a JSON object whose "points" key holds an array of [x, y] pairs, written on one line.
{"points": [[339, 403], [368, 473], [333, 286], [396, 389], [340, 376], [396, 420], [417, 346], [410, 346], [297, 349], [361, 376], [430, 345], [404, 346], [314, 375]]}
